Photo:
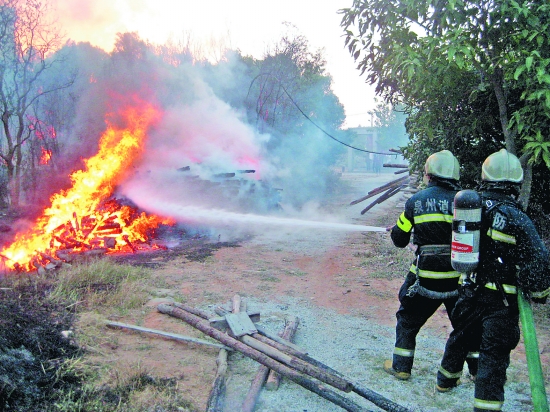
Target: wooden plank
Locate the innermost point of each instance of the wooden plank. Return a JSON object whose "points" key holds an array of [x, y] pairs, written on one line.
{"points": [[240, 324], [220, 322]]}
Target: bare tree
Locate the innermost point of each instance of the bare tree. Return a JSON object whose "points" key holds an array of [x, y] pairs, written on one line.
{"points": [[28, 42]]}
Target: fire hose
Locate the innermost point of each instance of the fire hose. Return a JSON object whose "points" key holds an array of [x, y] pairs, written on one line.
{"points": [[536, 377]]}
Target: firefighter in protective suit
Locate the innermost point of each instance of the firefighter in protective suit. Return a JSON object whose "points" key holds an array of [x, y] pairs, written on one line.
{"points": [[431, 280], [512, 257]]}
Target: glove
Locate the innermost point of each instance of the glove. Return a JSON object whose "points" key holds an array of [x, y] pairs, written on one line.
{"points": [[539, 300]]}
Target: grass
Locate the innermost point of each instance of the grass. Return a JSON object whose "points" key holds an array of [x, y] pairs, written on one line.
{"points": [[382, 259], [79, 298]]}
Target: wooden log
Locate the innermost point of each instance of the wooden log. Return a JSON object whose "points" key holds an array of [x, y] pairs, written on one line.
{"points": [[396, 165], [256, 386], [174, 336], [260, 357], [401, 171], [382, 198], [378, 399], [280, 340], [217, 393], [298, 364], [274, 379], [380, 189], [313, 386], [202, 313]]}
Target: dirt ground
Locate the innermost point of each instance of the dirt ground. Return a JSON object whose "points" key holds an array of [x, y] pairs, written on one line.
{"points": [[349, 273]]}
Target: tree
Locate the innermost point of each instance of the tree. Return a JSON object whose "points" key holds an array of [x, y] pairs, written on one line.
{"points": [[458, 61], [391, 123], [290, 83], [27, 38]]}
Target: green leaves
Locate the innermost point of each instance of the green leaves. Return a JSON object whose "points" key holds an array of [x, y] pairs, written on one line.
{"points": [[539, 148]]}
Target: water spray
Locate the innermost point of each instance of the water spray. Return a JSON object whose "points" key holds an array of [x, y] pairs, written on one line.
{"points": [[221, 217]]}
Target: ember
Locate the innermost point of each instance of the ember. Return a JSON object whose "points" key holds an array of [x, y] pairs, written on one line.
{"points": [[82, 218]]}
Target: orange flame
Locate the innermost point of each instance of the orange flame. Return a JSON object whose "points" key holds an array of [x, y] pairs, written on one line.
{"points": [[45, 157], [80, 218]]}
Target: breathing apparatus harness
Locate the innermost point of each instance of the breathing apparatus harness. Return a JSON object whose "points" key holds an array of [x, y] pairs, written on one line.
{"points": [[433, 250], [470, 280], [416, 288]]}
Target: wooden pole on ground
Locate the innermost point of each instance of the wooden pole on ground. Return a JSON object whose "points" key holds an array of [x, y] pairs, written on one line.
{"points": [[274, 379], [256, 386], [309, 384], [382, 198], [380, 189], [260, 357], [217, 393], [167, 335]]}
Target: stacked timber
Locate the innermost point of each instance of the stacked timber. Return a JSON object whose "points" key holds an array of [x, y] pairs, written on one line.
{"points": [[277, 354]]}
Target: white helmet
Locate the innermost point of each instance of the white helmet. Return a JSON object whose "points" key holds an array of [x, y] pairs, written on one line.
{"points": [[502, 166], [442, 164]]}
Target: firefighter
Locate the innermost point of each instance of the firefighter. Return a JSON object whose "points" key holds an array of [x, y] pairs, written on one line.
{"points": [[431, 280], [512, 257]]}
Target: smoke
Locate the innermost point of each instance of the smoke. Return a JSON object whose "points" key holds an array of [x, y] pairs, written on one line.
{"points": [[205, 152]]}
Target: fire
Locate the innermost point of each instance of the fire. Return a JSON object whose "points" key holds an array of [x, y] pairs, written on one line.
{"points": [[82, 218], [45, 157]]}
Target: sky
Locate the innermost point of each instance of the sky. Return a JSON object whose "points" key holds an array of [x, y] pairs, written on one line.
{"points": [[248, 25]]}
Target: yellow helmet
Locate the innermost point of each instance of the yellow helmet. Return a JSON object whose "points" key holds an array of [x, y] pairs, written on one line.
{"points": [[502, 166], [442, 164]]}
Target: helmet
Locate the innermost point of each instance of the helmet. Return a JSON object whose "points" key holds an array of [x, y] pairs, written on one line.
{"points": [[442, 164], [502, 166]]}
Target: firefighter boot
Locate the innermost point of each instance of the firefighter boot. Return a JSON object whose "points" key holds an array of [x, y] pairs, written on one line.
{"points": [[442, 388], [388, 367]]}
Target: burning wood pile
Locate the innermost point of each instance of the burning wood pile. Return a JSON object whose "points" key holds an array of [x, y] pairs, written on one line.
{"points": [[111, 228], [85, 218], [237, 330]]}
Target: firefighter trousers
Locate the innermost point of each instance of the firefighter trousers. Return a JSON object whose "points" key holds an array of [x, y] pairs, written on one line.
{"points": [[495, 327], [413, 313]]}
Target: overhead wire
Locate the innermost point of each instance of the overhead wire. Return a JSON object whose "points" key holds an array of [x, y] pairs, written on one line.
{"points": [[315, 124]]}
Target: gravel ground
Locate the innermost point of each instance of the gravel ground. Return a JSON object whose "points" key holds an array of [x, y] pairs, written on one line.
{"points": [[356, 348]]}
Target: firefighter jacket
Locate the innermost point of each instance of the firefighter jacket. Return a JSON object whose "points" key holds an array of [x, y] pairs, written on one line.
{"points": [[428, 219], [512, 253]]}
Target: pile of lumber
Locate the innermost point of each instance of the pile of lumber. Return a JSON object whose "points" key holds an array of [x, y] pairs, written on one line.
{"points": [[278, 357], [408, 184]]}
